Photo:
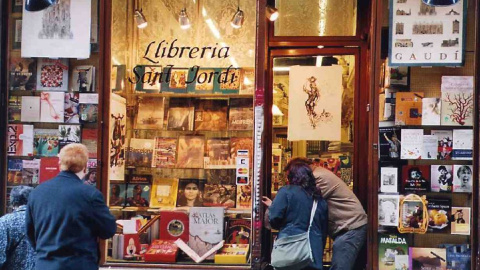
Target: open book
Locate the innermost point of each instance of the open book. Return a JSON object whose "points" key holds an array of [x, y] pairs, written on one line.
{"points": [[190, 252]]}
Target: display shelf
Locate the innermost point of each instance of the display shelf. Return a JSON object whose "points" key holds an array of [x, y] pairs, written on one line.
{"points": [[184, 209], [185, 95], [182, 263]]}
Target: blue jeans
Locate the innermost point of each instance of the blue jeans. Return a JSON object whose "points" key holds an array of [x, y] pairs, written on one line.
{"points": [[346, 248]]}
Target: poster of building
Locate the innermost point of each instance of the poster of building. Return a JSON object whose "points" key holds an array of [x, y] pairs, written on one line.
{"points": [[64, 26], [118, 123], [423, 35], [315, 102]]}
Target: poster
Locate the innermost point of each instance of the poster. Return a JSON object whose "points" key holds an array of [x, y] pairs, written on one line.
{"points": [[315, 100], [64, 26], [118, 122], [423, 35]]}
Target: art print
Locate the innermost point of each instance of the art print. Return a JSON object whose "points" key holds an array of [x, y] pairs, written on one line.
{"points": [[178, 78], [388, 210], [118, 123], [388, 179], [52, 74]]}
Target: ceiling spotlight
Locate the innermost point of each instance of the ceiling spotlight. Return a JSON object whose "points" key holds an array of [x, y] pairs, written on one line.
{"points": [[37, 5], [272, 13], [238, 18], [183, 19], [140, 19], [440, 3]]}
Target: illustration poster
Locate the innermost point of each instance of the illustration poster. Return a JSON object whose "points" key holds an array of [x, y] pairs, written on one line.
{"points": [[315, 103], [118, 122]]}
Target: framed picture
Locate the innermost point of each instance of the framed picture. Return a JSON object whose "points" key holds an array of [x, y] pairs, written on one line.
{"points": [[17, 34], [413, 214], [17, 6]]}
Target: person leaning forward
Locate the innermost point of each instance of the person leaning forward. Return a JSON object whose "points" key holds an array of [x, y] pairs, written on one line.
{"points": [[64, 217], [347, 220]]}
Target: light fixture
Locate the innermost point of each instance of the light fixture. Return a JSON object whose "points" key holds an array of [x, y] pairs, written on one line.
{"points": [[140, 19], [440, 3], [183, 19], [272, 13], [238, 18], [37, 5]]}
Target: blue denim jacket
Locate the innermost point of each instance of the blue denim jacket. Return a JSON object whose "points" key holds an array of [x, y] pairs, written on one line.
{"points": [[290, 214]]}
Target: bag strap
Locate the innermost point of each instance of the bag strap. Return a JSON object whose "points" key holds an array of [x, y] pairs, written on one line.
{"points": [[312, 214]]}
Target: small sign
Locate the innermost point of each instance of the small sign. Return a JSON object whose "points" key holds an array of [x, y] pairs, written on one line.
{"points": [[242, 162]]}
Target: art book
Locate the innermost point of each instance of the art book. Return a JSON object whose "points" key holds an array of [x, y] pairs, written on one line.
{"points": [[221, 176], [150, 113], [390, 143], [23, 72], [203, 80], [408, 109], [457, 100], [180, 115], [462, 178], [206, 229], [14, 172], [31, 172], [460, 220], [49, 168], [14, 108], [445, 143], [229, 81], [69, 134], [83, 79], [138, 195], [190, 192], [174, 225], [430, 147], [89, 139], [218, 153], [439, 211], [247, 86], [150, 78], [211, 114], [462, 144], [164, 193], [164, 153], [71, 109], [389, 179], [442, 178], [220, 195], [140, 152], [390, 247], [46, 142], [52, 107], [428, 258], [52, 74], [176, 81], [416, 178], [91, 176], [412, 144], [88, 113], [30, 111], [117, 194], [238, 231], [240, 115], [388, 210], [20, 140], [459, 257], [431, 108], [239, 143], [191, 152], [244, 197]]}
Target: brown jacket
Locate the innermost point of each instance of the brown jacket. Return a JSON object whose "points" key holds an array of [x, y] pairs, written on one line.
{"points": [[345, 212]]}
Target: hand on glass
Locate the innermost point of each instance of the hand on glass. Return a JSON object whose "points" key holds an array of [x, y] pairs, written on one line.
{"points": [[266, 201]]}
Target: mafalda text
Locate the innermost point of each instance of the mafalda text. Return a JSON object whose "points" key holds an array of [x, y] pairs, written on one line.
{"points": [[163, 49]]}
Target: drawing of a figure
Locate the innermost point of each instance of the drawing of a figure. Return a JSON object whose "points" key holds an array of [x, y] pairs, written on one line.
{"points": [[313, 93]]}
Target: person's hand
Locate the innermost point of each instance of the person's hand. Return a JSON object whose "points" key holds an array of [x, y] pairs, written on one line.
{"points": [[266, 201]]}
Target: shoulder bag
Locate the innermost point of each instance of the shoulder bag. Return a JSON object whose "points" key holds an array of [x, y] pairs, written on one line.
{"points": [[294, 252]]}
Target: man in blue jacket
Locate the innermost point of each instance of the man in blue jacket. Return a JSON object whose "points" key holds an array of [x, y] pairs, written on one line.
{"points": [[65, 217]]}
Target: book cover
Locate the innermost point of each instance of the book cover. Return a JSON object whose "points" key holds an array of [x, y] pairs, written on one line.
{"points": [[220, 195], [88, 113], [412, 144], [232, 254], [218, 153], [462, 178], [180, 117], [150, 114], [389, 179], [164, 153], [138, 195], [390, 143], [457, 100], [442, 178], [428, 258], [460, 220], [150, 78], [49, 168], [176, 81], [117, 194], [430, 147], [52, 107], [244, 197], [14, 172], [211, 115], [68, 134], [131, 245], [161, 250], [390, 246], [462, 144], [191, 152], [206, 229], [445, 143], [221, 176], [431, 108], [459, 257], [164, 193], [52, 74], [190, 192], [20, 140], [201, 80], [408, 109], [229, 81], [140, 152], [238, 231], [439, 211], [89, 139], [71, 109], [91, 176], [388, 210], [23, 72], [239, 143], [31, 172], [174, 225], [83, 79], [46, 142], [240, 114], [14, 108], [416, 178], [30, 110]]}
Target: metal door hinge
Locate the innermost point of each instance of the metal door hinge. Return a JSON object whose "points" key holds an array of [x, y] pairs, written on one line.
{"points": [[368, 107]]}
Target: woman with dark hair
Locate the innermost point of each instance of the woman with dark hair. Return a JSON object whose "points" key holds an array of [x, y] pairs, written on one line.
{"points": [[115, 199], [191, 195], [291, 209], [15, 250]]}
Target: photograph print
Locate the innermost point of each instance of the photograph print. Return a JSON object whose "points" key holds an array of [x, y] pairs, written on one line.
{"points": [[442, 178]]}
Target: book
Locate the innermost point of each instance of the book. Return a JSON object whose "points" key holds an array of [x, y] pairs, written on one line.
{"points": [[14, 108], [174, 225], [46, 142], [390, 143], [68, 134], [439, 211], [445, 143], [408, 109], [180, 115], [52, 107], [220, 195], [244, 197], [138, 195], [83, 79], [91, 176], [429, 147], [150, 78], [462, 144], [457, 101], [164, 193], [20, 140], [221, 176], [52, 74], [206, 229], [238, 231], [239, 143], [240, 114], [30, 110], [49, 168], [14, 171], [23, 72], [203, 81], [176, 81], [218, 153], [164, 153], [211, 115], [416, 178], [346, 170], [131, 245], [117, 194], [431, 108], [71, 109], [459, 257], [150, 114], [161, 250], [192, 254], [140, 152], [88, 113], [229, 81], [412, 144], [388, 210], [460, 220], [232, 254], [390, 246], [190, 192], [89, 139], [442, 178], [462, 178], [428, 258], [389, 179], [190, 152], [402, 262], [31, 172]]}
